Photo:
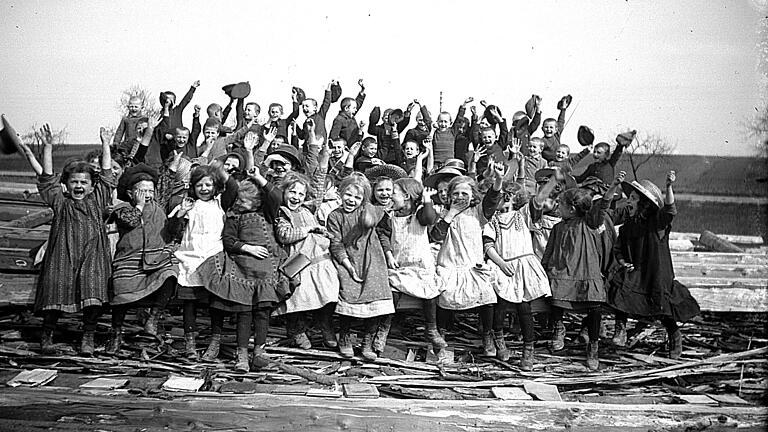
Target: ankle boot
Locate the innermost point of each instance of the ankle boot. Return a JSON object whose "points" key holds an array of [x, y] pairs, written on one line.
{"points": [[592, 361], [436, 339], [558, 336], [345, 344], [115, 341], [87, 344], [212, 352], [526, 359], [675, 344], [190, 347], [382, 332], [259, 359], [502, 353], [150, 326], [241, 364], [368, 352], [46, 343], [620, 334], [489, 349], [329, 337], [302, 341], [584, 335]]}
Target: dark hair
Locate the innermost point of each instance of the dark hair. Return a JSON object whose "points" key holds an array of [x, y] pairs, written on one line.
{"points": [[604, 145], [258, 108], [283, 137], [181, 129], [517, 193], [119, 157], [486, 128], [346, 102], [580, 199], [369, 140], [273, 105], [549, 120], [202, 171], [413, 188], [77, 167], [93, 154]]}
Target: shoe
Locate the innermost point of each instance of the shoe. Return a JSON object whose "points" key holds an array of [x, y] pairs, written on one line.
{"points": [[302, 341], [584, 335], [190, 347], [368, 352], [115, 342], [592, 361], [87, 344], [675, 344], [526, 359], [46, 343], [489, 349], [212, 352], [558, 336], [502, 353], [345, 344], [620, 334], [382, 332], [259, 359], [150, 326], [329, 337], [436, 339], [241, 364]]}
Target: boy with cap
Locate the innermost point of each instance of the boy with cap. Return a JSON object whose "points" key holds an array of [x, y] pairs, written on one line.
{"points": [[605, 162], [311, 111], [394, 122], [172, 113]]}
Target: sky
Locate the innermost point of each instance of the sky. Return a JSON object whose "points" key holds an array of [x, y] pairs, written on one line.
{"points": [[684, 70]]}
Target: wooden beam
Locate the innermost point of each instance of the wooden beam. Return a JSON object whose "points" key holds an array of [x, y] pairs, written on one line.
{"points": [[715, 299], [738, 239], [32, 220], [17, 289]]}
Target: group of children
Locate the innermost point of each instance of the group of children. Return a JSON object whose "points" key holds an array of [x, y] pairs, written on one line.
{"points": [[282, 218]]}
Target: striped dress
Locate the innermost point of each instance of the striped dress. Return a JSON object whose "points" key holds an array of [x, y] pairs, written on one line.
{"points": [[77, 262]]}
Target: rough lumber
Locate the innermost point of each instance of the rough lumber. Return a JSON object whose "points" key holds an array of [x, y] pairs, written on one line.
{"points": [[32, 220], [17, 290], [738, 239], [715, 299], [717, 244]]}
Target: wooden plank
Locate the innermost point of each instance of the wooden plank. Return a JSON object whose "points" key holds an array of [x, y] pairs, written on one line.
{"points": [[16, 259], [723, 282], [17, 289], [738, 239], [722, 271], [719, 257], [32, 220], [718, 299]]}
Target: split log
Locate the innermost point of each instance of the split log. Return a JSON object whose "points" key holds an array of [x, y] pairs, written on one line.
{"points": [[717, 244], [32, 220]]}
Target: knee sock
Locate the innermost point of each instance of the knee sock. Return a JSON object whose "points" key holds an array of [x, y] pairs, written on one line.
{"points": [[217, 321], [620, 317], [345, 323], [670, 324], [261, 325], [486, 317], [556, 314], [593, 324], [525, 316], [500, 314], [244, 320], [118, 316], [91, 317], [190, 318], [444, 318], [164, 294], [429, 309]]}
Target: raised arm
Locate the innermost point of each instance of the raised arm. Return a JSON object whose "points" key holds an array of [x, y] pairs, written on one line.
{"points": [[361, 95], [373, 121], [121, 128], [326, 105], [188, 96], [24, 148]]}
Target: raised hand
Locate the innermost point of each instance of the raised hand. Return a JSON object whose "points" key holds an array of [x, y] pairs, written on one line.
{"points": [[250, 140], [45, 136], [154, 121], [355, 148], [498, 170], [197, 111], [426, 196], [410, 106], [484, 103], [103, 135], [473, 110], [468, 100], [140, 199], [360, 83], [671, 177], [620, 177], [479, 153], [416, 102], [269, 135], [196, 84], [186, 206], [362, 124]]}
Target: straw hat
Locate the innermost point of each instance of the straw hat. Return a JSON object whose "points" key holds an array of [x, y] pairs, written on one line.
{"points": [[646, 189], [443, 174], [386, 170]]}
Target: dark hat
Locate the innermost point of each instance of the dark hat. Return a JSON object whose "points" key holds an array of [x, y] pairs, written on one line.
{"points": [[626, 137], [335, 91], [530, 106], [300, 95], [545, 173], [520, 120], [455, 164], [286, 152], [8, 138], [565, 100], [240, 90], [443, 174], [396, 113], [646, 189], [585, 136], [133, 175], [595, 185], [488, 116], [387, 170]]}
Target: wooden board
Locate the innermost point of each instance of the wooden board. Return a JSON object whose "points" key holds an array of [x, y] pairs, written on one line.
{"points": [[738, 239], [714, 299], [17, 290]]}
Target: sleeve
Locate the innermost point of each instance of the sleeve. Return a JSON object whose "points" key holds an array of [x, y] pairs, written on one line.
{"points": [[230, 237], [140, 153], [104, 187], [427, 118], [535, 122], [439, 231], [186, 99], [459, 114], [294, 114], [317, 184], [193, 137], [426, 214], [333, 224], [326, 104], [489, 236], [534, 212], [560, 122], [360, 99], [404, 122], [503, 134], [121, 130], [619, 248], [666, 215], [616, 155], [286, 233], [574, 159], [596, 213], [545, 258], [50, 191], [229, 194], [127, 217], [240, 113], [587, 172], [373, 120], [384, 231], [490, 202], [336, 128], [273, 199]]}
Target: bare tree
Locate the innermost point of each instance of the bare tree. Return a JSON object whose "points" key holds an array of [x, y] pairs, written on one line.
{"points": [[149, 104], [646, 147], [60, 137]]}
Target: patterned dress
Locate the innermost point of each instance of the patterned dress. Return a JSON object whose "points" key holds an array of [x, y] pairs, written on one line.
{"points": [[349, 239], [77, 263], [509, 234]]}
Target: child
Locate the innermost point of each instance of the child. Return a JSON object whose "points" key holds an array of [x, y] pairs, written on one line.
{"points": [[572, 261], [244, 278], [368, 155], [171, 114], [647, 287], [388, 132], [359, 258], [142, 271], [565, 161], [409, 256], [126, 131], [317, 115], [467, 280], [423, 125], [519, 276], [552, 129], [275, 111], [444, 138], [200, 219], [77, 264], [605, 161], [344, 125], [382, 192], [415, 162], [549, 215]]}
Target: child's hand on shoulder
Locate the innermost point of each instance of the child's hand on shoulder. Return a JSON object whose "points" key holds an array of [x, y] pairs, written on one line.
{"points": [[671, 177]]}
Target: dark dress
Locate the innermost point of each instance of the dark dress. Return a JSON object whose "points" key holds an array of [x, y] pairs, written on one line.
{"points": [[651, 289]]}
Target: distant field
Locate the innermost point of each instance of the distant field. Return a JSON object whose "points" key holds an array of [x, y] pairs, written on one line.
{"points": [[708, 175], [720, 218]]}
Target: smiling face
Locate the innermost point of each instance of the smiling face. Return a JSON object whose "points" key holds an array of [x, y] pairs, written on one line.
{"points": [[309, 106], [275, 111], [204, 189], [600, 154], [549, 128], [145, 186], [383, 192], [351, 108], [337, 149], [410, 150], [443, 121], [232, 164], [295, 195], [181, 137], [79, 185], [370, 149], [400, 199], [280, 168], [351, 199], [134, 107], [562, 153], [534, 149], [488, 137], [251, 111], [461, 194], [442, 191]]}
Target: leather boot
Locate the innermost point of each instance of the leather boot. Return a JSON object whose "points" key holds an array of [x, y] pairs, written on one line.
{"points": [[87, 344], [436, 339], [302, 341], [46, 343], [212, 352], [190, 347], [526, 359], [675, 344], [241, 364], [502, 353], [558, 336], [620, 334], [115, 341], [489, 349], [584, 335], [259, 359], [592, 361], [329, 337], [368, 352], [382, 332], [345, 344], [150, 326]]}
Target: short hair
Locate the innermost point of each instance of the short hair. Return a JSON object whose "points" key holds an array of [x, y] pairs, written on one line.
{"points": [[275, 105], [134, 98], [77, 167], [212, 108], [445, 113], [93, 154], [368, 141], [212, 122], [549, 120], [603, 145], [460, 180], [487, 129], [580, 199], [564, 146], [164, 96], [410, 141], [340, 139], [357, 180], [181, 129], [538, 141], [202, 171], [258, 108], [119, 158], [282, 137], [314, 102], [413, 188], [347, 101]]}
